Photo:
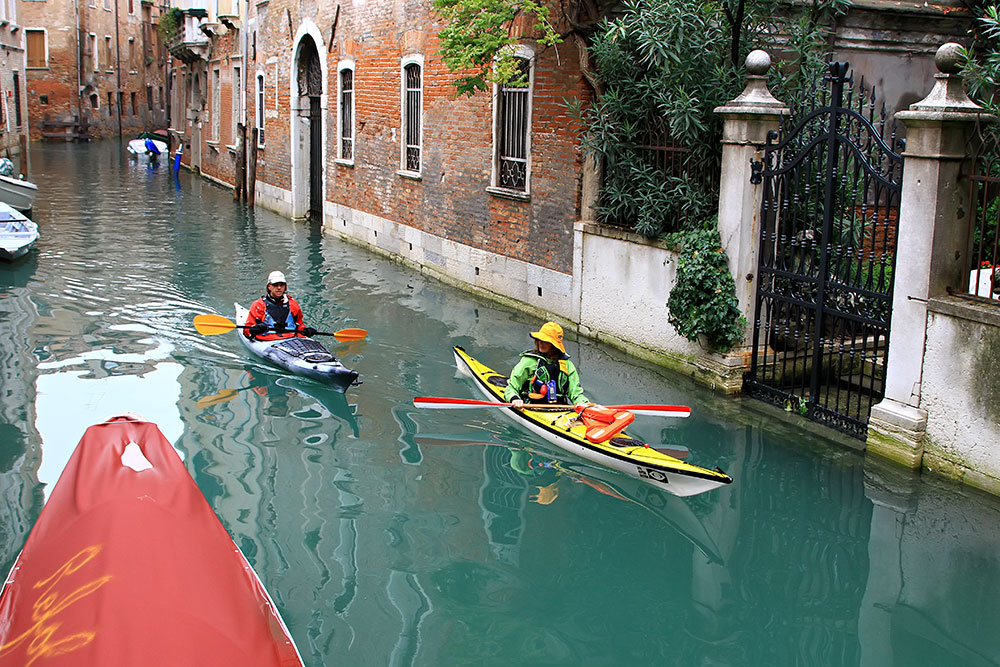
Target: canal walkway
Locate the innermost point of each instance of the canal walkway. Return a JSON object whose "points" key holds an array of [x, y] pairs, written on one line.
{"points": [[392, 535]]}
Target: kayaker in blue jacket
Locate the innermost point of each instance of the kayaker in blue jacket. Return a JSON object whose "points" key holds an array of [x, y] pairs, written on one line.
{"points": [[545, 374]]}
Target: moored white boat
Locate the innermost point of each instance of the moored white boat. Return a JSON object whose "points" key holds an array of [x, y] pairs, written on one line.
{"points": [[18, 192], [17, 233], [148, 144], [128, 565], [621, 452]]}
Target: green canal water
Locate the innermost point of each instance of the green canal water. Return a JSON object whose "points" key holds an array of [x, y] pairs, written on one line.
{"points": [[390, 535]]}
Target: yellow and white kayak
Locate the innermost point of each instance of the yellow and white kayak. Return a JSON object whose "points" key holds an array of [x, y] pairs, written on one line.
{"points": [[622, 452]]}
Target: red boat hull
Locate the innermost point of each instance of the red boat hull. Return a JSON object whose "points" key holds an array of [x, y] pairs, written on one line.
{"points": [[128, 565]]}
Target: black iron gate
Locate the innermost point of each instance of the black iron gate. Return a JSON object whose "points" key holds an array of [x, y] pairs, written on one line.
{"points": [[827, 252]]}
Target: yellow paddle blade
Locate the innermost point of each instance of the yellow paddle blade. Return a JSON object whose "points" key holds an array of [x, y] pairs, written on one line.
{"points": [[215, 399], [212, 324], [345, 335]]}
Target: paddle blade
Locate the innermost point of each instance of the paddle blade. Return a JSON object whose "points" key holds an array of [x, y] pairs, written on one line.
{"points": [[661, 410], [210, 325], [348, 335], [215, 399], [454, 403]]}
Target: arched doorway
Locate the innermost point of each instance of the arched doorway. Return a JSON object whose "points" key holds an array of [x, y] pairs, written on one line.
{"points": [[307, 131]]}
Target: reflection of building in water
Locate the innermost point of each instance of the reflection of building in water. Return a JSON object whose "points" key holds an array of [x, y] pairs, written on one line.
{"points": [[502, 498], [20, 456], [408, 596], [933, 557]]}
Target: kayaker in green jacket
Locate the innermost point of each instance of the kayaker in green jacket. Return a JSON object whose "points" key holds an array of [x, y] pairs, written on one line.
{"points": [[545, 374]]}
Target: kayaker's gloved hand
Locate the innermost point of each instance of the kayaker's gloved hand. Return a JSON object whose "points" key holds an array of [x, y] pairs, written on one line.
{"points": [[517, 403], [258, 329], [279, 327], [308, 331]]}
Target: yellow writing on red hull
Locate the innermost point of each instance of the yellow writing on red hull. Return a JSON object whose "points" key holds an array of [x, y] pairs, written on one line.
{"points": [[41, 640]]}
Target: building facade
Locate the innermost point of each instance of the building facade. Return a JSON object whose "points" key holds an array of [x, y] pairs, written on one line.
{"points": [[13, 106], [358, 124], [94, 67]]}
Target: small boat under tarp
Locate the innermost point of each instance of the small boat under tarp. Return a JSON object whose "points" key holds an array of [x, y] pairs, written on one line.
{"points": [[17, 233], [152, 144], [128, 565]]}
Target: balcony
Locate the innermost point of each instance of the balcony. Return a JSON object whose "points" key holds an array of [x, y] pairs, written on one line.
{"points": [[190, 43]]}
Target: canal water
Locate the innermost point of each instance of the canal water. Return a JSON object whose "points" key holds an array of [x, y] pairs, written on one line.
{"points": [[390, 535]]}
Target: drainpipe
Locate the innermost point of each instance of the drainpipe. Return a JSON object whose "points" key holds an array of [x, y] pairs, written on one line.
{"points": [[79, 56], [118, 69]]}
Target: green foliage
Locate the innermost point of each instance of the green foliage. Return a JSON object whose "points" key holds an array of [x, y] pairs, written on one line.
{"points": [[170, 22], [703, 301], [476, 40]]}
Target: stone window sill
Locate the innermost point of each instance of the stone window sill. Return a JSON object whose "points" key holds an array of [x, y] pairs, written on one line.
{"points": [[344, 163], [504, 193], [411, 175]]}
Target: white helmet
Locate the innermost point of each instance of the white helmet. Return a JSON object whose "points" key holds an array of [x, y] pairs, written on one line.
{"points": [[276, 277]]}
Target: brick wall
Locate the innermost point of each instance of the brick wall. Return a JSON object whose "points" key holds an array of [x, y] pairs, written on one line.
{"points": [[450, 198], [52, 90]]}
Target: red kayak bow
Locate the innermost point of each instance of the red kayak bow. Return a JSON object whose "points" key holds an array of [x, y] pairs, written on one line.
{"points": [[128, 565]]}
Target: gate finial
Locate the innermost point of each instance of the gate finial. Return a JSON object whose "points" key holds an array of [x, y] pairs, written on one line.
{"points": [[948, 93], [756, 93]]}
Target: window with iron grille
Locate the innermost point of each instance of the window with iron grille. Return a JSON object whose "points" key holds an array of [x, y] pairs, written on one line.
{"points": [[17, 99], [511, 131], [412, 111], [346, 114], [260, 109]]}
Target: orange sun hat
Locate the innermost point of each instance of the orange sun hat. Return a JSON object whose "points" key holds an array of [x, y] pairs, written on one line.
{"points": [[550, 332]]}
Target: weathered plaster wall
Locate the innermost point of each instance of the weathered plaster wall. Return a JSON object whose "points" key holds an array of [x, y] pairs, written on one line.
{"points": [[961, 390]]}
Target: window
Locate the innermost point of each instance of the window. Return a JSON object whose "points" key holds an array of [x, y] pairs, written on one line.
{"points": [[37, 48], [108, 60], [131, 54], [121, 101], [511, 129], [131, 6], [95, 101], [260, 108], [111, 103], [93, 51], [107, 5], [132, 100], [17, 98], [345, 130], [43, 99], [216, 104], [412, 115], [149, 98]]}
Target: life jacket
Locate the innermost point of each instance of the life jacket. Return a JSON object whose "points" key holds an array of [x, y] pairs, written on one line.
{"points": [[549, 384], [279, 312]]}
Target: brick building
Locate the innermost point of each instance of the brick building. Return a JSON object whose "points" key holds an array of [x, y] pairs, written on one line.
{"points": [[13, 106], [100, 62], [358, 119]]}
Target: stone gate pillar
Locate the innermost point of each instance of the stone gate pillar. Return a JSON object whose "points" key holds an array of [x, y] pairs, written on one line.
{"points": [[931, 251], [746, 121]]}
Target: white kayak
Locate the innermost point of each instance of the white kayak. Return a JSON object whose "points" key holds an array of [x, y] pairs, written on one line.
{"points": [[299, 355]]}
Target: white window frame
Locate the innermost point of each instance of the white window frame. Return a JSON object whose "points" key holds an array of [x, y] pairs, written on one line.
{"points": [[94, 47], [236, 87], [109, 66], [107, 5], [45, 35], [526, 53], [344, 66], [260, 100], [418, 60], [216, 102]]}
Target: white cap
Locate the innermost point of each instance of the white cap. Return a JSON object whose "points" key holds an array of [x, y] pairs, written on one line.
{"points": [[276, 277]]}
